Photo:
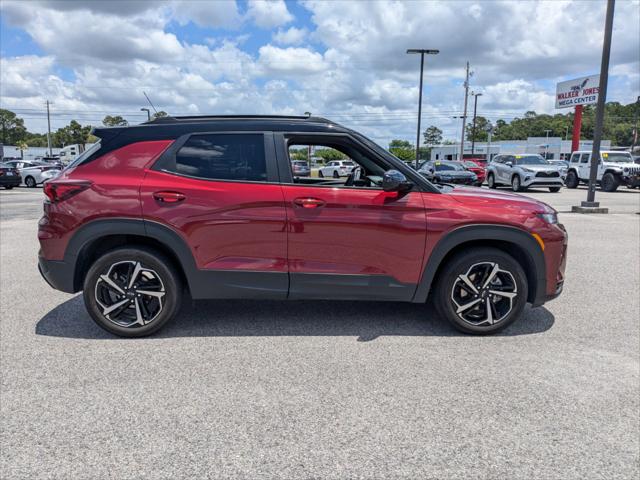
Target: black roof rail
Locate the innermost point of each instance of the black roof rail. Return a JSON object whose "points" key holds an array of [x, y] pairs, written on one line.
{"points": [[206, 118]]}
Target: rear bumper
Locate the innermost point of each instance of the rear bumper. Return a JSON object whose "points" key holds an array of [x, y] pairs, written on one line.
{"points": [[58, 274], [10, 181]]}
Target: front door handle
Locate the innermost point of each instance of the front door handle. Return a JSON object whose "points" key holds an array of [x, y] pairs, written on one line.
{"points": [[169, 197], [308, 202]]}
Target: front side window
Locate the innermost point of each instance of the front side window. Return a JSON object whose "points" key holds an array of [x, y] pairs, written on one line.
{"points": [[223, 157], [585, 157]]}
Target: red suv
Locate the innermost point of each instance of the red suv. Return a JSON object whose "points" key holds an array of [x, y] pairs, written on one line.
{"points": [[211, 206]]}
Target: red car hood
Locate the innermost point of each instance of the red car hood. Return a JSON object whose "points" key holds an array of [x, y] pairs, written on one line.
{"points": [[481, 197]]}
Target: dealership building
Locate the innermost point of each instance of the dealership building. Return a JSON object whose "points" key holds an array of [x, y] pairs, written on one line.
{"points": [[553, 148]]}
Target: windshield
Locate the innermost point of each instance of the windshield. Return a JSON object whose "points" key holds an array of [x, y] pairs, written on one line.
{"points": [[448, 166], [348, 164], [84, 155], [530, 160], [471, 164], [300, 164], [617, 157]]}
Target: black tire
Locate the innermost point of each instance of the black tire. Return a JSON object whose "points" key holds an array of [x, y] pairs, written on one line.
{"points": [[463, 263], [30, 182], [491, 182], [320, 174], [516, 184], [336, 174], [554, 189], [572, 180], [610, 182], [8, 187], [169, 281]]}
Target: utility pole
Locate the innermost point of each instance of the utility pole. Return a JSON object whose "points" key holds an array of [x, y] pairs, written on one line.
{"points": [[422, 53], [489, 132], [49, 131], [546, 145], [464, 116], [475, 108], [635, 129], [591, 205], [308, 114]]}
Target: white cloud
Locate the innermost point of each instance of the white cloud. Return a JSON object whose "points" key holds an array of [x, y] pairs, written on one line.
{"points": [[217, 14], [292, 36], [291, 60], [269, 13]]}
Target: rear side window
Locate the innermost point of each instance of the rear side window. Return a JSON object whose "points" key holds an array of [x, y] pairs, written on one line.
{"points": [[223, 157]]}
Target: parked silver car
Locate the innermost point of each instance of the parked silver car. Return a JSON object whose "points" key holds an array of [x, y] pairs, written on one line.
{"points": [[522, 172], [34, 173]]}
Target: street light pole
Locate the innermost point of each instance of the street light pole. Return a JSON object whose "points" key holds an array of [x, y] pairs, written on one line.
{"points": [[602, 97], [464, 117], [422, 53], [148, 113], [475, 108]]}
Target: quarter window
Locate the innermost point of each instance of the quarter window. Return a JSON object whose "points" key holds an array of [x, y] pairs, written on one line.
{"points": [[223, 157]]}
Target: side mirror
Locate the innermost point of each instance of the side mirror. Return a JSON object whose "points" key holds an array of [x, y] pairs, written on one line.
{"points": [[395, 181], [509, 164]]}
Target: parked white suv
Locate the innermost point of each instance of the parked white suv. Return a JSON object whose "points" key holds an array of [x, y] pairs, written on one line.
{"points": [[336, 169], [522, 172], [614, 168]]}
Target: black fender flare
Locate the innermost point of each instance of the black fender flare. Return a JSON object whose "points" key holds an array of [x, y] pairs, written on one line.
{"points": [[488, 232], [96, 229]]}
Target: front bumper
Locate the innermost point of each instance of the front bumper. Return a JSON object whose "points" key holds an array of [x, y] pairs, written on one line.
{"points": [[531, 181], [58, 274]]}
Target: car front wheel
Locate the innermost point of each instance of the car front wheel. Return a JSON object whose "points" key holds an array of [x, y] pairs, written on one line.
{"points": [[30, 182], [491, 183], [554, 189], [610, 182], [132, 292], [516, 184], [481, 291]]}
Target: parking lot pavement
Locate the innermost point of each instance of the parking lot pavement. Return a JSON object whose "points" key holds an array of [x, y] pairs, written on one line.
{"points": [[238, 389]]}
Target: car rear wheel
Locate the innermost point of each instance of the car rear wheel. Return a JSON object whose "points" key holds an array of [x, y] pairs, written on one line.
{"points": [[491, 183], [336, 174], [610, 182], [30, 182], [554, 189], [572, 180], [8, 187], [320, 174], [132, 292], [516, 185], [481, 291]]}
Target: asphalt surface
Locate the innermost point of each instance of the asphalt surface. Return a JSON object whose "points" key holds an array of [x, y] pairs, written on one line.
{"points": [[239, 389]]}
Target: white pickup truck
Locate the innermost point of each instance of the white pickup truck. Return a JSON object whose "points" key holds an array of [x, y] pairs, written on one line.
{"points": [[614, 168]]}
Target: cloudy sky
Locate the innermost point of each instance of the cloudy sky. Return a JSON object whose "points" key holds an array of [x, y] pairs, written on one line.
{"points": [[343, 60]]}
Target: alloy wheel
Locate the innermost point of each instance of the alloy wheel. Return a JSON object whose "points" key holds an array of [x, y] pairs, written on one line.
{"points": [[129, 294], [484, 295]]}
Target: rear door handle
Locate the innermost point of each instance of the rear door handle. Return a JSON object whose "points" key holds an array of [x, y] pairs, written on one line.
{"points": [[169, 197], [308, 202]]}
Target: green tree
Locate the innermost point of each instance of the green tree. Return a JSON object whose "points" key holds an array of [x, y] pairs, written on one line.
{"points": [[114, 121], [432, 135], [481, 133], [328, 154], [12, 128], [298, 153], [403, 149], [159, 114], [74, 133]]}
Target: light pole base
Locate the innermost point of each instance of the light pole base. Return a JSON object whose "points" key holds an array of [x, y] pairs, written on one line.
{"points": [[589, 207]]}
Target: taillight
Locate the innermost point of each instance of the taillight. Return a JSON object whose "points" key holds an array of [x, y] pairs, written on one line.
{"points": [[64, 189], [1, 172]]}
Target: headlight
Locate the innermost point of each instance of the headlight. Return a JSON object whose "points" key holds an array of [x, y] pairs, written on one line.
{"points": [[549, 217], [527, 170]]}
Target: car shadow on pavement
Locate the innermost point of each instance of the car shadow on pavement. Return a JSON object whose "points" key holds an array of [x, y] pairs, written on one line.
{"points": [[234, 318]]}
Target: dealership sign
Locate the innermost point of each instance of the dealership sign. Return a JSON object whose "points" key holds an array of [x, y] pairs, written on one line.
{"points": [[581, 91]]}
